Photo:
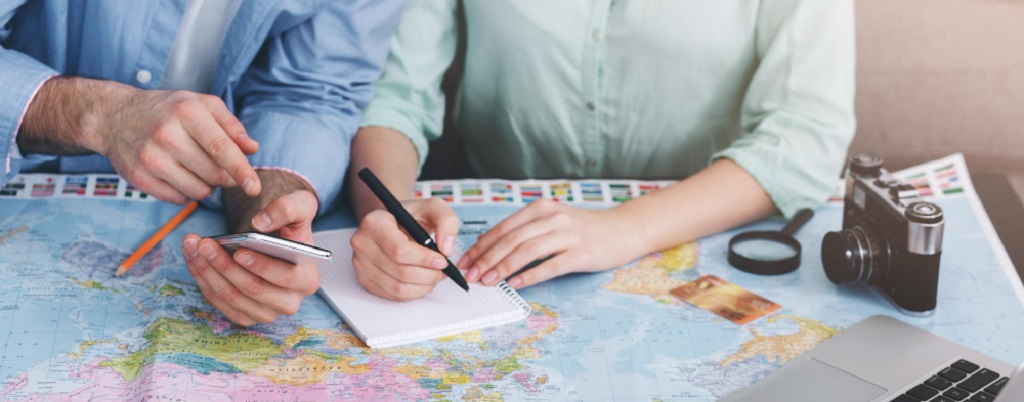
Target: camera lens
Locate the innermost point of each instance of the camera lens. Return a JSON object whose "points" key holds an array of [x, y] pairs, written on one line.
{"points": [[866, 164], [854, 255]]}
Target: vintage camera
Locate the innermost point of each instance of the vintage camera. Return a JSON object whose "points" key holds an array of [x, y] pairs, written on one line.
{"points": [[891, 238]]}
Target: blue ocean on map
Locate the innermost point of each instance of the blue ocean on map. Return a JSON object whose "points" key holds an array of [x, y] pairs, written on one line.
{"points": [[71, 331]]}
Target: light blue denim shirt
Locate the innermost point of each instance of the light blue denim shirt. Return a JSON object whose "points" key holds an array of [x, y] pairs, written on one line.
{"points": [[297, 73]]}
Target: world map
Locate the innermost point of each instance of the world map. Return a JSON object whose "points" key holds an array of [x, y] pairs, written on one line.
{"points": [[69, 330]]}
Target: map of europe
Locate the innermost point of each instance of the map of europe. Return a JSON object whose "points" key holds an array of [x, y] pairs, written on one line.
{"points": [[69, 330]]}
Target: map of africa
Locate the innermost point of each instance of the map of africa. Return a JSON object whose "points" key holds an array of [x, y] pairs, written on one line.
{"points": [[71, 331]]}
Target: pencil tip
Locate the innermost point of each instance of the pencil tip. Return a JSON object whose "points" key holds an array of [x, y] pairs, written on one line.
{"points": [[120, 271]]}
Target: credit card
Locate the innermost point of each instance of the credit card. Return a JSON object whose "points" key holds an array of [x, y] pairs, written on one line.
{"points": [[726, 299]]}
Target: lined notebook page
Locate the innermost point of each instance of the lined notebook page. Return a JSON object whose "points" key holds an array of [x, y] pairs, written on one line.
{"points": [[380, 322]]}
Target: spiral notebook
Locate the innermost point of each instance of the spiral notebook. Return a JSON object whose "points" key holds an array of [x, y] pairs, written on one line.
{"points": [[382, 323]]}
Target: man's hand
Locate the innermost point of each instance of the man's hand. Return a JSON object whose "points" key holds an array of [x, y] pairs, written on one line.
{"points": [[390, 264], [175, 145], [246, 286]]}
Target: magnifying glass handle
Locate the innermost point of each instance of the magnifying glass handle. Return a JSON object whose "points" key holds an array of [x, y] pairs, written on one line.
{"points": [[798, 221]]}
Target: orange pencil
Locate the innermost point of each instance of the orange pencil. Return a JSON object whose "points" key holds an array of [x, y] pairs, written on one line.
{"points": [[153, 240]]}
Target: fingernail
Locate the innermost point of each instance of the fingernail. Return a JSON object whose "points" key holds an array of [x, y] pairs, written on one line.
{"points": [[515, 282], [208, 251], [439, 263], [449, 244], [249, 186], [490, 277], [261, 221], [245, 259], [463, 261], [472, 274], [190, 247]]}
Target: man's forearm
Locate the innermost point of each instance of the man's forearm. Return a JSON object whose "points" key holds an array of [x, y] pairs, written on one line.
{"points": [[65, 116], [239, 208], [393, 159]]}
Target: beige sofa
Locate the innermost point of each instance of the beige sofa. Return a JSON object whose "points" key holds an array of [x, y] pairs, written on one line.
{"points": [[942, 76]]}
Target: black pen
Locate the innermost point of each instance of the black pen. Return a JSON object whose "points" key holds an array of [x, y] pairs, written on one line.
{"points": [[533, 264], [409, 223]]}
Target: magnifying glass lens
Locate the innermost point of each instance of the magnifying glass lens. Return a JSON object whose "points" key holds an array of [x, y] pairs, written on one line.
{"points": [[769, 252], [762, 249]]}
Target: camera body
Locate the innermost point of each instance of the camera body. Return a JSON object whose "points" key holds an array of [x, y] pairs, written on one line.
{"points": [[891, 238]]}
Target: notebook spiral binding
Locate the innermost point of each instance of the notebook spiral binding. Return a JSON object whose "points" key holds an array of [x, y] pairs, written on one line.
{"points": [[507, 292], [512, 297]]}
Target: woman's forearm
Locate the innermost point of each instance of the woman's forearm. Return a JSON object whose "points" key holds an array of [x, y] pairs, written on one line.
{"points": [[393, 160], [718, 198]]}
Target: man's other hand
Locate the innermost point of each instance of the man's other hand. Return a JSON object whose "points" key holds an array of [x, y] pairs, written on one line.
{"points": [[175, 145], [179, 145]]}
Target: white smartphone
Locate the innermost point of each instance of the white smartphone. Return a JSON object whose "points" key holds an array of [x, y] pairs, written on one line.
{"points": [[282, 249]]}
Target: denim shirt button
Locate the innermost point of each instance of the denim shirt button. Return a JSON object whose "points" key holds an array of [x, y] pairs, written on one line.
{"points": [[143, 76]]}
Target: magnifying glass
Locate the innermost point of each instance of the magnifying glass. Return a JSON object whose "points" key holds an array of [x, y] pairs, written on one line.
{"points": [[768, 252]]}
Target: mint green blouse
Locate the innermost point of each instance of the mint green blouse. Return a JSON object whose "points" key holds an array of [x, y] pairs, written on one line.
{"points": [[653, 89]]}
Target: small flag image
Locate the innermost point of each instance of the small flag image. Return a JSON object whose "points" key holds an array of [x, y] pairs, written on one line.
{"points": [[106, 187], [949, 180], [75, 185], [443, 191], [646, 188], [132, 192], [44, 189], [13, 188], [920, 182], [502, 192], [561, 192], [472, 192], [530, 192], [621, 192], [417, 191], [592, 191]]}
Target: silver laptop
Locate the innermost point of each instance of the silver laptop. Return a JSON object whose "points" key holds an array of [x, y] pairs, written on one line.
{"points": [[882, 359]]}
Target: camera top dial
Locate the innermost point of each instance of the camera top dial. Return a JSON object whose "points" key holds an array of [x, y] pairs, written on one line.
{"points": [[866, 164], [923, 212]]}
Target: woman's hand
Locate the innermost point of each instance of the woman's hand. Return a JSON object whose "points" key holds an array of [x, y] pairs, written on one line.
{"points": [[577, 240], [390, 264]]}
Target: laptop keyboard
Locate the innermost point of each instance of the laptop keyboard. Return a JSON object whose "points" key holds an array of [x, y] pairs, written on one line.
{"points": [[961, 381]]}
